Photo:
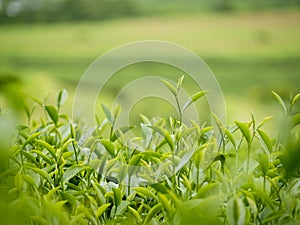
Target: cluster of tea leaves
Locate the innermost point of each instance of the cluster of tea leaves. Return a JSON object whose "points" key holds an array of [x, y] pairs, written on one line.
{"points": [[59, 171]]}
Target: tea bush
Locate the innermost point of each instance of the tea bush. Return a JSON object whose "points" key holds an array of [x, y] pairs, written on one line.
{"points": [[59, 171]]}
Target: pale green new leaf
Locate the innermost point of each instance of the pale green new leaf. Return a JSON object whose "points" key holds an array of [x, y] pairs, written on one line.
{"points": [[166, 135], [117, 196], [280, 102], [263, 161], [295, 99], [109, 146], [295, 120], [194, 98], [107, 113], [236, 212], [152, 213], [43, 174], [170, 87], [72, 171], [62, 97], [266, 139], [122, 207], [102, 209], [245, 131], [47, 146], [52, 112], [145, 191]]}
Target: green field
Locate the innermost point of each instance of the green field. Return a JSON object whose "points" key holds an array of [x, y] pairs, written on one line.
{"points": [[250, 53]]}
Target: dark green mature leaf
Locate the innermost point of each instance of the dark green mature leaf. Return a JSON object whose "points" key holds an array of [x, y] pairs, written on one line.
{"points": [[52, 112]]}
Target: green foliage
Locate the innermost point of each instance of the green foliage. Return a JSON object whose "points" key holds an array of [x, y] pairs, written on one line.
{"points": [[59, 171]]}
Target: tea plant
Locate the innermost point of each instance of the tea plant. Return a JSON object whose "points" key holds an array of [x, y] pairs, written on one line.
{"points": [[59, 171]]}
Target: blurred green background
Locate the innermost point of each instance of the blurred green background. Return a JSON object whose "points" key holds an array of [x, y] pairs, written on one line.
{"points": [[252, 46]]}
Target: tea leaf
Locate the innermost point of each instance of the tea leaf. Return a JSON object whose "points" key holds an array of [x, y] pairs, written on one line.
{"points": [[194, 98], [208, 190], [134, 161], [30, 157], [107, 113], [170, 87], [229, 135], [144, 191], [160, 188], [179, 82], [263, 161], [245, 131], [102, 209], [109, 147], [48, 147], [62, 97], [29, 180], [166, 135], [154, 210], [295, 120], [31, 138], [280, 102], [295, 99], [117, 196], [72, 171], [134, 213], [52, 112], [99, 192], [122, 207], [265, 120], [236, 212], [43, 156], [119, 132], [267, 141], [163, 199], [43, 174]]}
